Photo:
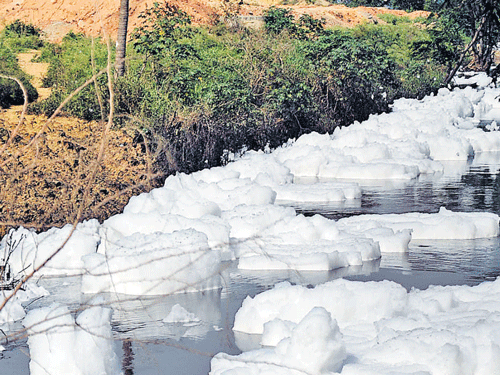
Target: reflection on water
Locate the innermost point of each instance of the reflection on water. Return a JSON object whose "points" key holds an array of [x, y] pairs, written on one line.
{"points": [[462, 186], [150, 346], [141, 319], [478, 260]]}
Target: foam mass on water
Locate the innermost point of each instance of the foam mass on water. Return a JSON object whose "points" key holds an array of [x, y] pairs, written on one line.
{"points": [[175, 238], [378, 328]]}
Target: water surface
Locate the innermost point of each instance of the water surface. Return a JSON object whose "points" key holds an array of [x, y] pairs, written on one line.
{"points": [[147, 345]]}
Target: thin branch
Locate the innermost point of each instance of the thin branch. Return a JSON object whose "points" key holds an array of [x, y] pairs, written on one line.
{"points": [[56, 112], [464, 52]]}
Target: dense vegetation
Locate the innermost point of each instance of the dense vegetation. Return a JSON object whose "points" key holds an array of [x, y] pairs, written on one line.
{"points": [[477, 20], [203, 93], [198, 95]]}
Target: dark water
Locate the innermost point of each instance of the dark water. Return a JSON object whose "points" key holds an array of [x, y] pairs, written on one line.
{"points": [[147, 346]]}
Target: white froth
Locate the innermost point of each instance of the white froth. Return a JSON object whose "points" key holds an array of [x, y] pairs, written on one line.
{"points": [[384, 328]]}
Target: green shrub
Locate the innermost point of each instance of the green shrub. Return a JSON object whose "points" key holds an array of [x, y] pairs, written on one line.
{"points": [[417, 74], [163, 27], [408, 5], [19, 36], [277, 20], [444, 42], [19, 28], [71, 64], [198, 94], [10, 92], [394, 19], [257, 89], [14, 38]]}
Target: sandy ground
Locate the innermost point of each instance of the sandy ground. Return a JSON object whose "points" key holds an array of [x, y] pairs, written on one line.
{"points": [[37, 70], [100, 17]]}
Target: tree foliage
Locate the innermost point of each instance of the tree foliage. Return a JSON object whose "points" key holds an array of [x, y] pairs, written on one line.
{"points": [[396, 4], [479, 20], [204, 93], [277, 20], [163, 27]]}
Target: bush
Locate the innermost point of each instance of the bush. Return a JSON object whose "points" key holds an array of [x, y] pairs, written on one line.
{"points": [[269, 87], [71, 64], [416, 75], [408, 5], [198, 94], [162, 28], [277, 20], [10, 92], [19, 36], [19, 28], [16, 37]]}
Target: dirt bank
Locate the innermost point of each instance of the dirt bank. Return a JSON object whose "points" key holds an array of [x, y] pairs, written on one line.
{"points": [[46, 167], [97, 18]]}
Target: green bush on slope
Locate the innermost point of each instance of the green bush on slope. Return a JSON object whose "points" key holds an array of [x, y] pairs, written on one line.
{"points": [[14, 38], [200, 94]]}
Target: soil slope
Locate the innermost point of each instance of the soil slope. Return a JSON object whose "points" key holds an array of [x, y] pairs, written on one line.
{"points": [[98, 18]]}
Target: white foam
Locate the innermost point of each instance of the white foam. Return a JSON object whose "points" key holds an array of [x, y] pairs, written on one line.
{"points": [[179, 314], [59, 344], [314, 346], [385, 329], [232, 211], [13, 309], [32, 250], [443, 225], [158, 263]]}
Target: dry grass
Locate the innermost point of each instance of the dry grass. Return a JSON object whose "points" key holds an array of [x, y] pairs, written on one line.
{"points": [[46, 165], [43, 185]]}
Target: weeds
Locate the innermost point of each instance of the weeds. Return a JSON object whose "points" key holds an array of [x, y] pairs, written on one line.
{"points": [[48, 169], [19, 36], [71, 64]]}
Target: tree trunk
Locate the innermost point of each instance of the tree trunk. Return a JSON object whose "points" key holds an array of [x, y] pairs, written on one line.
{"points": [[121, 40]]}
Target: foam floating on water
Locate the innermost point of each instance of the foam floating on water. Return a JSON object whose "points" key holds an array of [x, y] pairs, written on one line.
{"points": [[314, 346], [61, 344], [154, 264], [444, 225], [384, 328], [179, 314], [29, 250], [232, 211], [14, 310]]}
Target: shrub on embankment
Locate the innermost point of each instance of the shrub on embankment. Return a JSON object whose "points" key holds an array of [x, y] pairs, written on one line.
{"points": [[200, 93], [14, 38]]}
